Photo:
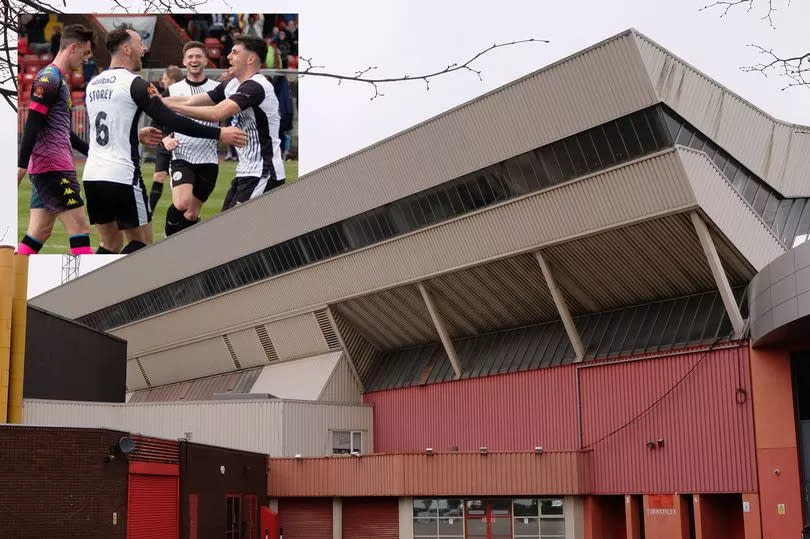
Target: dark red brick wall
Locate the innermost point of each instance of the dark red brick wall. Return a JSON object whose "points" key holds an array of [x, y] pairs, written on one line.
{"points": [[245, 473], [54, 483]]}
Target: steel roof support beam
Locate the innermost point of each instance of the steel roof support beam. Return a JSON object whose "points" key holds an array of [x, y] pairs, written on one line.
{"points": [[346, 352], [719, 274], [562, 307], [441, 329]]}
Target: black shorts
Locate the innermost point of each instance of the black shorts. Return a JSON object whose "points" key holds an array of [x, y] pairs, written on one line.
{"points": [[162, 159], [202, 176], [56, 191], [125, 204], [246, 187]]}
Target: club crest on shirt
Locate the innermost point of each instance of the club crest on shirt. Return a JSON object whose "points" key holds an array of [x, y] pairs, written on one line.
{"points": [[177, 176], [39, 91]]}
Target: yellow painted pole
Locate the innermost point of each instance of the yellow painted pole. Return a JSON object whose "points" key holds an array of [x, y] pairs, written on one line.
{"points": [[6, 285], [19, 311]]}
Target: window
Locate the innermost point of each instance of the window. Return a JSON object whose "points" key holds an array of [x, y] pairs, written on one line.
{"points": [[538, 518], [233, 517], [345, 442], [437, 518]]}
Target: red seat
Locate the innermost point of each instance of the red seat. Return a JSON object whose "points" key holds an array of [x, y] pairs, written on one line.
{"points": [[76, 80], [27, 79], [212, 42], [22, 46], [292, 62], [77, 98], [32, 68]]}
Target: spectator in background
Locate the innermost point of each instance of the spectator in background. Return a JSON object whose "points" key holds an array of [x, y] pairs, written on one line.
{"points": [[281, 87], [283, 48], [35, 32], [273, 60], [292, 36], [163, 157], [274, 34], [57, 35], [89, 69], [198, 26], [255, 25], [217, 27]]}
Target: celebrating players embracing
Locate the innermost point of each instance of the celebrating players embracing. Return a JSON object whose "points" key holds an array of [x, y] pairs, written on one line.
{"points": [[114, 188]]}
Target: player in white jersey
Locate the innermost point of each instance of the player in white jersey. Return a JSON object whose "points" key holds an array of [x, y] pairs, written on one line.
{"points": [[116, 196], [250, 97], [194, 162]]}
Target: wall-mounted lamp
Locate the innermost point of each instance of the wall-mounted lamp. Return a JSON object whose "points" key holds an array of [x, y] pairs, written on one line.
{"points": [[483, 450], [650, 445], [299, 456], [429, 450], [660, 442], [538, 450]]}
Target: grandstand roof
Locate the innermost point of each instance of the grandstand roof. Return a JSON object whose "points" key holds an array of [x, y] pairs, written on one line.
{"points": [[459, 204]]}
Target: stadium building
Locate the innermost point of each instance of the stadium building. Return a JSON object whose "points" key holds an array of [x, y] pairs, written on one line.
{"points": [[572, 307]]}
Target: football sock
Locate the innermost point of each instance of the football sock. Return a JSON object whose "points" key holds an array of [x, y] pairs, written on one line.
{"points": [[132, 246], [80, 244], [102, 251], [154, 194], [29, 246]]}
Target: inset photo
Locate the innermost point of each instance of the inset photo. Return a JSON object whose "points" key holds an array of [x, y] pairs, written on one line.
{"points": [[132, 128]]}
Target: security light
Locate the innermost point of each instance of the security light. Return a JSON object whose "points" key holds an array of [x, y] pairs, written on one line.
{"points": [[483, 450]]}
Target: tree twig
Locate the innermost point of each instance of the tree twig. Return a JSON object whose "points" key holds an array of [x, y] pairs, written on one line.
{"points": [[359, 75]]}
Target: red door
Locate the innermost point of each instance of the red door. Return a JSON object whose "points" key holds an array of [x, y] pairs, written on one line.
{"points": [[269, 524], [305, 518], [370, 518], [488, 519], [153, 507]]}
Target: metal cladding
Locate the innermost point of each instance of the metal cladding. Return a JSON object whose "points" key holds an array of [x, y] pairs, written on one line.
{"points": [[779, 297], [440, 474], [649, 327], [557, 101], [696, 402]]}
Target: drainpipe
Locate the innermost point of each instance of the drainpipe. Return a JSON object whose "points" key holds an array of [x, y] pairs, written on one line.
{"points": [[6, 285], [19, 309]]}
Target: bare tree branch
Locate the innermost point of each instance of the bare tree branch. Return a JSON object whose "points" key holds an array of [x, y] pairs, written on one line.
{"points": [[728, 5], [796, 69], [359, 75]]}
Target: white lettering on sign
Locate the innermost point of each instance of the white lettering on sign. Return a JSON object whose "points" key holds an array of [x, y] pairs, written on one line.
{"points": [[746, 507], [662, 511]]}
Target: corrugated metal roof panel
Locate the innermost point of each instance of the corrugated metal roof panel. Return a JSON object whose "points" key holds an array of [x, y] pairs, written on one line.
{"points": [[660, 325], [775, 151], [564, 98], [200, 389]]}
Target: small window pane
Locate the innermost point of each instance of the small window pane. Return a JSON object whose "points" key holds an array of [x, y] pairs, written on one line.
{"points": [[560, 153], [500, 506], [451, 508], [551, 165], [644, 132], [341, 442], [577, 158], [602, 147], [527, 526], [424, 527], [629, 136], [476, 527], [451, 527], [591, 157], [685, 135], [424, 507], [552, 526], [525, 507], [501, 527], [551, 507], [614, 138], [357, 442]]}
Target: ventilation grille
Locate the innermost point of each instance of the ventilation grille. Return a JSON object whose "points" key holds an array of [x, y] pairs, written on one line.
{"points": [[231, 351], [327, 329], [267, 344], [143, 372]]}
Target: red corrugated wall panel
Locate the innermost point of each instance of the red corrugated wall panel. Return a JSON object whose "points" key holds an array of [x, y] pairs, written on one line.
{"points": [[370, 518], [708, 436], [512, 412], [305, 518]]}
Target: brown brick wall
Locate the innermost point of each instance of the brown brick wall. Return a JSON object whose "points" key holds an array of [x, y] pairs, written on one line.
{"points": [[245, 473], [54, 483]]}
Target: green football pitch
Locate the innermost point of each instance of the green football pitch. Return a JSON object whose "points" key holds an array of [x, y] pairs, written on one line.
{"points": [[58, 242]]}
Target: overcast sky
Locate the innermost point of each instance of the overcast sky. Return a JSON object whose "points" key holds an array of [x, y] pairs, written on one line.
{"points": [[417, 36]]}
